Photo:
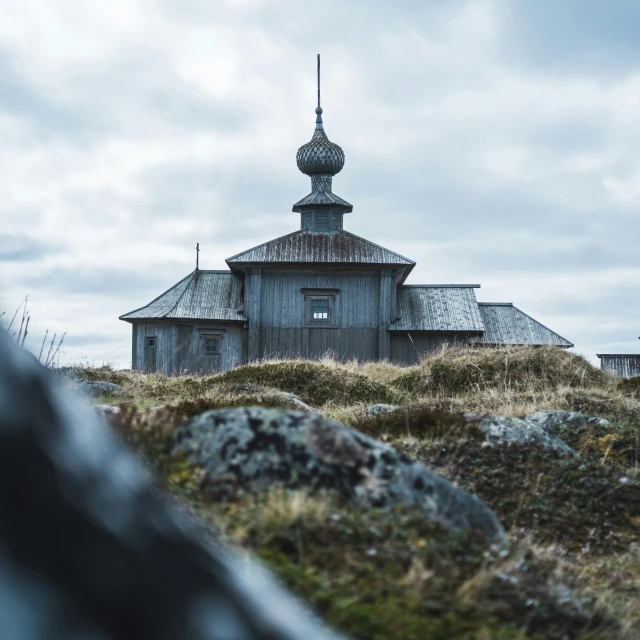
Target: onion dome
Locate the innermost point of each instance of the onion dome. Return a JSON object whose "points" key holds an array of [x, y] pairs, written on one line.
{"points": [[320, 155]]}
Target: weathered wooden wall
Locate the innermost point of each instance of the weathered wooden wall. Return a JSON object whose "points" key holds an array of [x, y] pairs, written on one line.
{"points": [[179, 347], [623, 365], [404, 351], [281, 331]]}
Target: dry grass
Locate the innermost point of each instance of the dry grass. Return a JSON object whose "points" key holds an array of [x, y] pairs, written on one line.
{"points": [[551, 505]]}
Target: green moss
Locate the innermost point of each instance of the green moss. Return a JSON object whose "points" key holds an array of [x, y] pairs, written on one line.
{"points": [[315, 383], [578, 503], [419, 422], [391, 574]]}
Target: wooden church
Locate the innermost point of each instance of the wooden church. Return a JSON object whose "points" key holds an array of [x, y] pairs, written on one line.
{"points": [[317, 291]]}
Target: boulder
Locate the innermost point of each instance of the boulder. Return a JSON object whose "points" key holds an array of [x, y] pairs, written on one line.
{"points": [[256, 447], [100, 388], [90, 548], [500, 430], [556, 420], [377, 409]]}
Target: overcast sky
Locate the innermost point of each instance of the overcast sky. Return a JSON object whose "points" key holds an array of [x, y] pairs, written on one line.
{"points": [[493, 142]]}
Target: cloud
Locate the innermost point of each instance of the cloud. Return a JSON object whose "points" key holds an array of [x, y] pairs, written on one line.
{"points": [[490, 141], [22, 248]]}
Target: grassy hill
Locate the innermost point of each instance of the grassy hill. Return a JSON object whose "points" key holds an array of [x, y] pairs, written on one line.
{"points": [[569, 568]]}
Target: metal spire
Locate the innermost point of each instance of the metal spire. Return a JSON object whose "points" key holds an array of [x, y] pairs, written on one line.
{"points": [[318, 81], [197, 256]]}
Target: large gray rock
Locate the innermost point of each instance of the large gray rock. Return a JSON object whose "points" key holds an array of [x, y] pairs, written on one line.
{"points": [[556, 420], [500, 430], [100, 388], [258, 447], [90, 549]]}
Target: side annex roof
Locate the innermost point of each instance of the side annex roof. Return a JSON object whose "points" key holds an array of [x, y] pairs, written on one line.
{"points": [[438, 308], [506, 324], [202, 295], [339, 247]]}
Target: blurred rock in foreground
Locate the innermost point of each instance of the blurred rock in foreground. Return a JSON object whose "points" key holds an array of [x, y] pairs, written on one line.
{"points": [[89, 548]]}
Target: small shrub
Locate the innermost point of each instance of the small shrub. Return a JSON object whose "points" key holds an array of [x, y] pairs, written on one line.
{"points": [[527, 368], [315, 383], [630, 386], [418, 422]]}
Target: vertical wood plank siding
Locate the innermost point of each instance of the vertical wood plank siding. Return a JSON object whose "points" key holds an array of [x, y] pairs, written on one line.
{"points": [[134, 346], [408, 350], [253, 311], [623, 365], [384, 314], [180, 348], [282, 313]]}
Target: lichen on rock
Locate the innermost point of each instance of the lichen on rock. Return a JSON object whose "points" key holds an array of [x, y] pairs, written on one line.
{"points": [[256, 447]]}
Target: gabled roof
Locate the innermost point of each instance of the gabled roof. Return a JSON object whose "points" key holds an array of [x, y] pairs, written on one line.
{"points": [[339, 247], [202, 295], [438, 308], [506, 324]]}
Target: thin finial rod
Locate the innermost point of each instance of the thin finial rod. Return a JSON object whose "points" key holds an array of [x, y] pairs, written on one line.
{"points": [[197, 255], [318, 81]]}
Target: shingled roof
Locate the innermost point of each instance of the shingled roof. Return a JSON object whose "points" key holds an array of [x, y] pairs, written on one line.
{"points": [[506, 324], [202, 295], [340, 247], [438, 308]]}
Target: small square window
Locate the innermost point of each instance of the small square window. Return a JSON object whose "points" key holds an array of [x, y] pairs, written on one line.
{"points": [[211, 345], [320, 309], [150, 341]]}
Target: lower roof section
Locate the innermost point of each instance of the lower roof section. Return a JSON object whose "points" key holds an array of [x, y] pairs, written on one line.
{"points": [[438, 308], [506, 324], [202, 295]]}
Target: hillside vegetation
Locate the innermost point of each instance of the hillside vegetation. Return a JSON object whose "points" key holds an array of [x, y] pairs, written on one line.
{"points": [[569, 568]]}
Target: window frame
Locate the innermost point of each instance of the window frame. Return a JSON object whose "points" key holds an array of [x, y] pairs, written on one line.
{"points": [[330, 295], [151, 346], [211, 334]]}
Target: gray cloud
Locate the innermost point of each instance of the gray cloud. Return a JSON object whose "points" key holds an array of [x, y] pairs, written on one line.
{"points": [[576, 34], [101, 282], [492, 141], [20, 247]]}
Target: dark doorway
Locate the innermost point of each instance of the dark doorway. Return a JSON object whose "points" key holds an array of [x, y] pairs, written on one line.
{"points": [[150, 348]]}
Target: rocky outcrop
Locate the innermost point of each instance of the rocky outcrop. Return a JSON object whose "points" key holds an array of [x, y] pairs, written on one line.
{"points": [[500, 430], [257, 447], [89, 548], [556, 420], [100, 388]]}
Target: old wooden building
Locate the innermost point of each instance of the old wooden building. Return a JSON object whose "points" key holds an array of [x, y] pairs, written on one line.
{"points": [[318, 290], [624, 365]]}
